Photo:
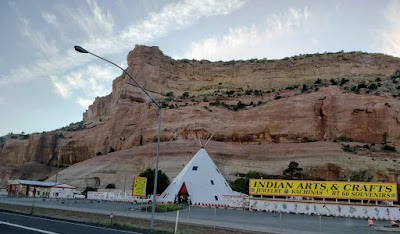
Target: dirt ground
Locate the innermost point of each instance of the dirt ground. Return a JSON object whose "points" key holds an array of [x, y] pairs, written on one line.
{"points": [[128, 223]]}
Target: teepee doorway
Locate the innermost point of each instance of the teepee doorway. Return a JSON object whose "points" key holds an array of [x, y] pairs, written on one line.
{"points": [[183, 194]]}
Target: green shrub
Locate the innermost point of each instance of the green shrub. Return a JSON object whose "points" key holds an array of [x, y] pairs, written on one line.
{"points": [[361, 176], [164, 207], [304, 89], [361, 86], [110, 186], [333, 82], [355, 89], [349, 149], [372, 86], [389, 148], [343, 138], [258, 92], [73, 127], [185, 95], [230, 92], [170, 94], [343, 81], [216, 103], [241, 105]]}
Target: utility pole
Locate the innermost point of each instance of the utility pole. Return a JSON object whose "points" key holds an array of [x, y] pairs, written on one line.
{"points": [[125, 185], [58, 162]]}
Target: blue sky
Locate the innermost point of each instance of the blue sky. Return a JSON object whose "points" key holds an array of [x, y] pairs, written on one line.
{"points": [[45, 84]]}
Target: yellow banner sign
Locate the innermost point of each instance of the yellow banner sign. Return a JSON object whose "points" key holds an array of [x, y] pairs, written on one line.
{"points": [[139, 186], [324, 189]]}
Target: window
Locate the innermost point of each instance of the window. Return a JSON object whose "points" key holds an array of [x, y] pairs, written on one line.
{"points": [[217, 170], [212, 182], [216, 198], [194, 168]]}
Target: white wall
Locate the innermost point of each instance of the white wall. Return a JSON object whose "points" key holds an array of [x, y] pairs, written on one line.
{"points": [[331, 209], [110, 196], [62, 192]]}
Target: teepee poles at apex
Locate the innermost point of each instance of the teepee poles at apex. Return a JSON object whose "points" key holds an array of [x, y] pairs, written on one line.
{"points": [[198, 140]]}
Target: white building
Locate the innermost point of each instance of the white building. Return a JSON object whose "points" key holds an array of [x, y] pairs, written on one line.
{"points": [[63, 191]]}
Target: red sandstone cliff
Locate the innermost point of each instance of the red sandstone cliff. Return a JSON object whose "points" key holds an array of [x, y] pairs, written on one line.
{"points": [[192, 92]]}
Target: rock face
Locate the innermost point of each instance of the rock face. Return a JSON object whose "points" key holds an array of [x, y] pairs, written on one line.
{"points": [[192, 93]]}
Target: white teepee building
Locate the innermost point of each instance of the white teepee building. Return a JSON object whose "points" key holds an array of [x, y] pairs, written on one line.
{"points": [[201, 181]]}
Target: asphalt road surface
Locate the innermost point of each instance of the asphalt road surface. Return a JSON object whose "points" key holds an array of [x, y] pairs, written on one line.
{"points": [[237, 219], [17, 223]]}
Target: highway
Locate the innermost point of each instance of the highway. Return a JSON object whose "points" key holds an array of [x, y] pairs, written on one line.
{"points": [[225, 218], [17, 223]]}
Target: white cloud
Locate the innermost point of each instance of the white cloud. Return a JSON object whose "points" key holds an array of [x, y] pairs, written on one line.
{"points": [[172, 17], [92, 81], [338, 6], [179, 15], [96, 24], [102, 39], [2, 99], [248, 42], [279, 24], [232, 45], [85, 103], [390, 38], [45, 45], [50, 18]]}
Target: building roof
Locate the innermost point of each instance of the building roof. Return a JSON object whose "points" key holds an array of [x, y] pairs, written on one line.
{"points": [[67, 186], [36, 183]]}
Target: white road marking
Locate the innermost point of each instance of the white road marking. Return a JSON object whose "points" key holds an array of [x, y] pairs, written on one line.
{"points": [[77, 224], [27, 228]]}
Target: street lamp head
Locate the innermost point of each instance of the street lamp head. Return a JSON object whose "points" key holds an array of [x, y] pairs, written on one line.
{"points": [[80, 49]]}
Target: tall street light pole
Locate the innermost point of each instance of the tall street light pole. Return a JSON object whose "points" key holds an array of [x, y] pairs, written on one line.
{"points": [[153, 206]]}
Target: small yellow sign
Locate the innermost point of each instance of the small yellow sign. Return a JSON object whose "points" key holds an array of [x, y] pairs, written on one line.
{"points": [[324, 189], [139, 186]]}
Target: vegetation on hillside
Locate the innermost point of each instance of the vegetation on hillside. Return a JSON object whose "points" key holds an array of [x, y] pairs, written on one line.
{"points": [[293, 172], [73, 127]]}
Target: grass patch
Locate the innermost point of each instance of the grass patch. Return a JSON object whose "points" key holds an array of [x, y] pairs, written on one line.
{"points": [[133, 227], [160, 208]]}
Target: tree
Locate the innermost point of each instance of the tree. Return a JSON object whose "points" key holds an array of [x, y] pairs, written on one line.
{"points": [[162, 180], [293, 172], [360, 176], [385, 138], [398, 194], [242, 184], [89, 189]]}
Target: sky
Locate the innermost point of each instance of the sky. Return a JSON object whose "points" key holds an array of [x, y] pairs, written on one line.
{"points": [[45, 84]]}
